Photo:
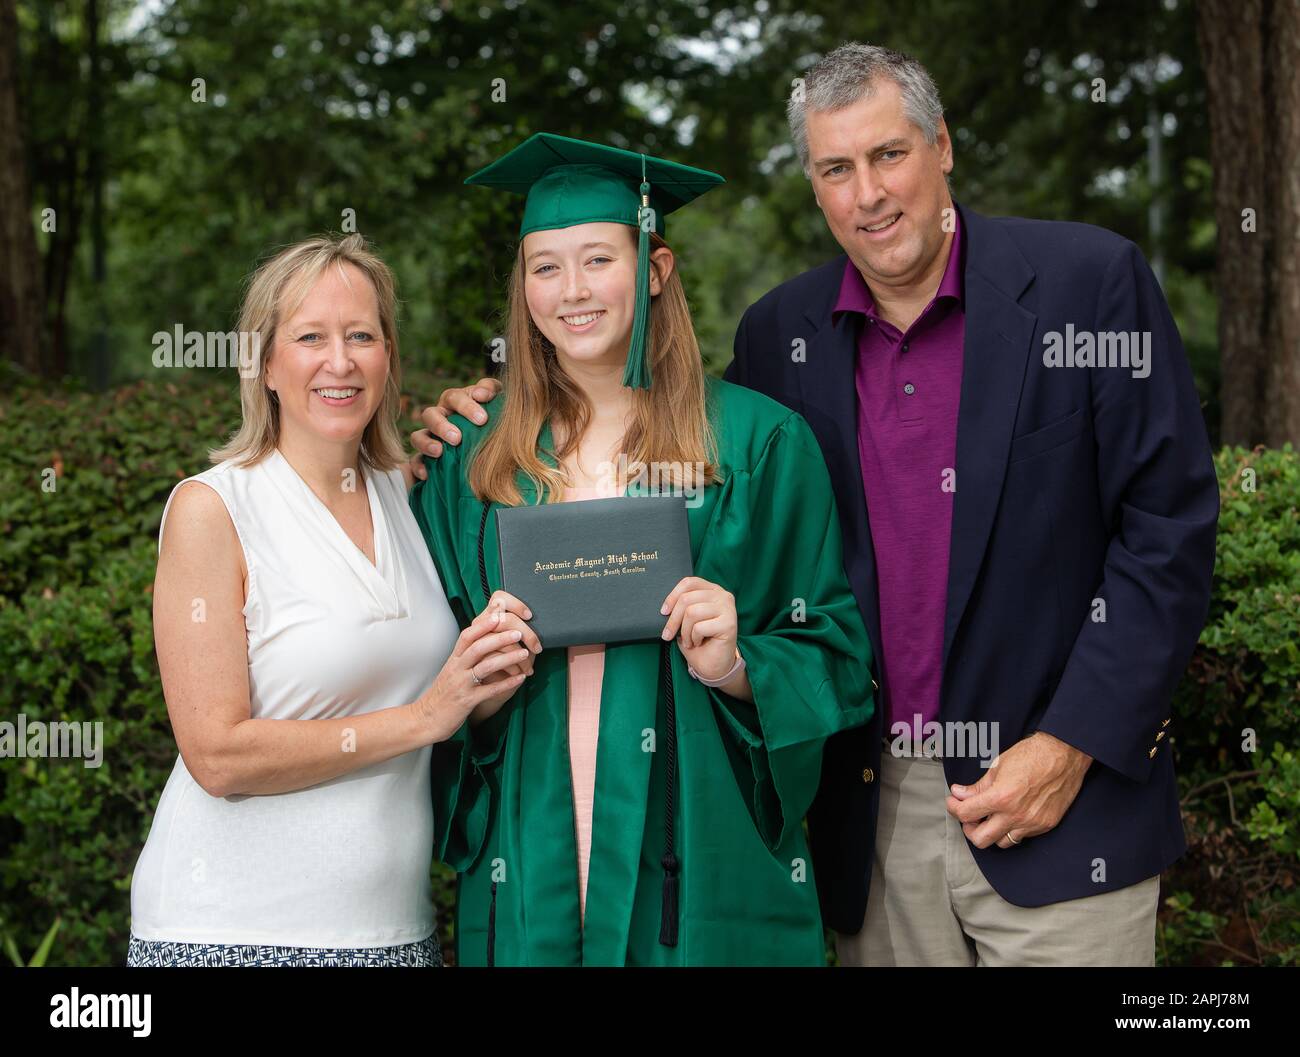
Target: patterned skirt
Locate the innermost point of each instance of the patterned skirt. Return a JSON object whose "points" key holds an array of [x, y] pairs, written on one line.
{"points": [[148, 953]]}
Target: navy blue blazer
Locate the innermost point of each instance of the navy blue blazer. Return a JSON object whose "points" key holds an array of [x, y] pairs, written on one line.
{"points": [[1073, 483]]}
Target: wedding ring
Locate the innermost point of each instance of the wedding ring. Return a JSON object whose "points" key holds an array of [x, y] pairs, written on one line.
{"points": [[477, 680], [1011, 838]]}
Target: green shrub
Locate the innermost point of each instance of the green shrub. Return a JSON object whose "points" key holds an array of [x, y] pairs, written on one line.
{"points": [[1237, 715]]}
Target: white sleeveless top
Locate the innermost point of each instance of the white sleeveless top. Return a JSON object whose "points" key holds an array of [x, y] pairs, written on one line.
{"points": [[344, 863]]}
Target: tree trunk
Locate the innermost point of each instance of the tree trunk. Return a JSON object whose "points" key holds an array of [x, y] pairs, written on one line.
{"points": [[20, 274], [101, 369], [1251, 49]]}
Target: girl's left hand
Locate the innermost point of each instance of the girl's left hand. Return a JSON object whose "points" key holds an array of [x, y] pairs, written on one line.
{"points": [[703, 617]]}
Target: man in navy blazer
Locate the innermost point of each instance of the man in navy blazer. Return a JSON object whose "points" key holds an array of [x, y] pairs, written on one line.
{"points": [[1082, 502]]}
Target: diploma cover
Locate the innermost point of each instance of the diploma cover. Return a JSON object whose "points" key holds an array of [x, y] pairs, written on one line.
{"points": [[595, 570]]}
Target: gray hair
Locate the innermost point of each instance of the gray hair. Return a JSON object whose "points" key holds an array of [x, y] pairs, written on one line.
{"points": [[848, 74]]}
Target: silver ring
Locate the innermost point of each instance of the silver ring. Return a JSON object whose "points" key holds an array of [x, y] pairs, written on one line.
{"points": [[1011, 838], [479, 682]]}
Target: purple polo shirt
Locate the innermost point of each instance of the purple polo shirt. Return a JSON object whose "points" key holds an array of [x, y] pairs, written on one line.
{"points": [[909, 388]]}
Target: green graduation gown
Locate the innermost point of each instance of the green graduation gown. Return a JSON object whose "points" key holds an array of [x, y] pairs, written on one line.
{"points": [[746, 773]]}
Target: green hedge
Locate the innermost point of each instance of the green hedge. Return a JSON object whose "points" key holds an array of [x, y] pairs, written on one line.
{"points": [[76, 643], [1234, 899]]}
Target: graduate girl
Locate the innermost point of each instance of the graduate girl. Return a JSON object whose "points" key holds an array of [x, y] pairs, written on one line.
{"points": [[640, 803]]}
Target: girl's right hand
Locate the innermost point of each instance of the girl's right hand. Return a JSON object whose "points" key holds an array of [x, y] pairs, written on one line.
{"points": [[490, 661]]}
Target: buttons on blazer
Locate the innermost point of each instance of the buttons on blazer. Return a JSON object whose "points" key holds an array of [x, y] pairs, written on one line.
{"points": [[1159, 734], [868, 775]]}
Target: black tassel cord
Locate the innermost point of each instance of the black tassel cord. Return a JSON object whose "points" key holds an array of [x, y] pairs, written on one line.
{"points": [[668, 915], [487, 593]]}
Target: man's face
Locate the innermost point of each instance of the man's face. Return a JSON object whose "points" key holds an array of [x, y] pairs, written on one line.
{"points": [[880, 186]]}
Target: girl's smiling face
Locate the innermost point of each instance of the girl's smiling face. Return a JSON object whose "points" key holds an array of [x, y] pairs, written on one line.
{"points": [[580, 285]]}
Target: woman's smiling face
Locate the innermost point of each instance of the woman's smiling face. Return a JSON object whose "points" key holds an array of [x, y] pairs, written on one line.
{"points": [[580, 284], [330, 360]]}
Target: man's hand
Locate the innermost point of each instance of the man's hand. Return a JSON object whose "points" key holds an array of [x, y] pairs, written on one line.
{"points": [[464, 401], [1027, 791]]}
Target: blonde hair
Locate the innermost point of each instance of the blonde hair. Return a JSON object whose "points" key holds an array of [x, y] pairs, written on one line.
{"points": [[273, 293], [669, 422]]}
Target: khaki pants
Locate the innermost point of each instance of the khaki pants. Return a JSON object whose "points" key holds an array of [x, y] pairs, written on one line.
{"points": [[930, 904]]}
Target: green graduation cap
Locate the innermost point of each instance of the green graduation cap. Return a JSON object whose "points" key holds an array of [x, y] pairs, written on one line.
{"points": [[570, 181]]}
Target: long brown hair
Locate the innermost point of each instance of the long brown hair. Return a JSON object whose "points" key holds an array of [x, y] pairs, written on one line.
{"points": [[669, 424]]}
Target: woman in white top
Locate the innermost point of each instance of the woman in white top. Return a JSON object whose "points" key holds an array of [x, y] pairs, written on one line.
{"points": [[308, 655]]}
